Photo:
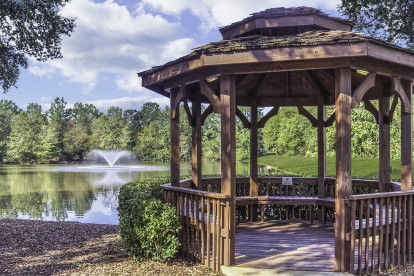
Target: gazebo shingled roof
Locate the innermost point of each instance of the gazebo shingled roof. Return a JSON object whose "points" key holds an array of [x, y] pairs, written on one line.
{"points": [[293, 57], [310, 38]]}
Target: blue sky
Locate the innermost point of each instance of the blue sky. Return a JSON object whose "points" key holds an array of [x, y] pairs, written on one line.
{"points": [[115, 39]]}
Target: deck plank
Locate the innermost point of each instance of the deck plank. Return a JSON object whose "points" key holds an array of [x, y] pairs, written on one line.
{"points": [[285, 246]]}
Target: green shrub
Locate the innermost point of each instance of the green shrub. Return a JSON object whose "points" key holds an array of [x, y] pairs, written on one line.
{"points": [[159, 238], [144, 220]]}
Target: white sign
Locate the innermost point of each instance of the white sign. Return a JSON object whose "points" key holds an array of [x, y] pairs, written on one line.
{"points": [[286, 180]]}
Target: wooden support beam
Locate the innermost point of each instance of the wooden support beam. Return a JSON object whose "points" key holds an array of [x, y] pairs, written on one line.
{"points": [[393, 106], [177, 99], [321, 157], [211, 96], [384, 142], [188, 112], [302, 111], [259, 85], [317, 83], [397, 87], [362, 88], [406, 137], [196, 142], [254, 190], [287, 84], [371, 108], [330, 120], [266, 117], [175, 139], [343, 90], [228, 157], [243, 119], [205, 114], [306, 101]]}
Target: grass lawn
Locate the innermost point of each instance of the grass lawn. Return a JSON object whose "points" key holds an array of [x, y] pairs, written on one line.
{"points": [[308, 166]]}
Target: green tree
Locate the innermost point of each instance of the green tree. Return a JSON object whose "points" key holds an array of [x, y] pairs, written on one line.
{"points": [[59, 117], [391, 20], [25, 140], [84, 114], [131, 128], [29, 28], [211, 137], [77, 142], [289, 133], [48, 150], [8, 110], [109, 129], [149, 112]]}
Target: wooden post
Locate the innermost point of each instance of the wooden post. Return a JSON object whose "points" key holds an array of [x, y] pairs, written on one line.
{"points": [[228, 157], [343, 90], [253, 158], [384, 141], [321, 157], [196, 142], [175, 141], [406, 141]]}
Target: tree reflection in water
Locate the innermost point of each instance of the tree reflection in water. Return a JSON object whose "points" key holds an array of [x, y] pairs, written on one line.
{"points": [[76, 193]]}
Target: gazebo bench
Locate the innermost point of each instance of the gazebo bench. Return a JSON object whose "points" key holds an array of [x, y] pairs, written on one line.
{"points": [[285, 200]]}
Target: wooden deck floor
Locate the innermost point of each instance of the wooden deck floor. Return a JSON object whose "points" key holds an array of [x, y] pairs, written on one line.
{"points": [[285, 246]]}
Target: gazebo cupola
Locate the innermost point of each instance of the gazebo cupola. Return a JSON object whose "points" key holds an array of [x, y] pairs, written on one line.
{"points": [[298, 57], [285, 21]]}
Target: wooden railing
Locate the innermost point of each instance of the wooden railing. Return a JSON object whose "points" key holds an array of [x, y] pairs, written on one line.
{"points": [[380, 231], [301, 187], [205, 220], [359, 187]]}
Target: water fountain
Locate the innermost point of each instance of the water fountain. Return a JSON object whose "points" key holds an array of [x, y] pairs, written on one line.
{"points": [[110, 156], [110, 162]]}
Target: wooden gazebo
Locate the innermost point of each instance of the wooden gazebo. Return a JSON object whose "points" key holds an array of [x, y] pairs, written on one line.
{"points": [[293, 57]]}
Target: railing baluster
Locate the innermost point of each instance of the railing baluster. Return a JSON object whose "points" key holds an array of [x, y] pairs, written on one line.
{"points": [[366, 270], [393, 221], [214, 233], [374, 223], [381, 233], [361, 213], [203, 248], [399, 232], [410, 228], [353, 220], [208, 233], [387, 232]]}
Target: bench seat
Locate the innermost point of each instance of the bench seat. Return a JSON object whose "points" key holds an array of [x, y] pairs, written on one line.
{"points": [[285, 200]]}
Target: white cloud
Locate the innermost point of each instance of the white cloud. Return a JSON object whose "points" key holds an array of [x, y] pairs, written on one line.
{"points": [[43, 70], [45, 99], [109, 38], [129, 102], [217, 13]]}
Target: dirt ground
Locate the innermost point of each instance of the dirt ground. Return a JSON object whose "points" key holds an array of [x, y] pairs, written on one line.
{"points": [[30, 247]]}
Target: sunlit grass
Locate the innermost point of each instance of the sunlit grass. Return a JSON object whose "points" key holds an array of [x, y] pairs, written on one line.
{"points": [[308, 166]]}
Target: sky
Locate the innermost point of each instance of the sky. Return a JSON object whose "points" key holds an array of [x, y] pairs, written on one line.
{"points": [[115, 39]]}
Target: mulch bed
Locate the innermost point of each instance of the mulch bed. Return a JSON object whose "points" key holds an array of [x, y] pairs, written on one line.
{"points": [[31, 247]]}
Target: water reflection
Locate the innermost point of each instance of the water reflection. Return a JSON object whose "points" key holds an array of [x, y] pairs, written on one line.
{"points": [[77, 193]]}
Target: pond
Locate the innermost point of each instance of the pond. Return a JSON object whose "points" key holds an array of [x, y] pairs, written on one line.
{"points": [[78, 192]]}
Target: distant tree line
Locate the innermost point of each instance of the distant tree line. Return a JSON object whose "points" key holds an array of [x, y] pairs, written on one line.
{"points": [[67, 134]]}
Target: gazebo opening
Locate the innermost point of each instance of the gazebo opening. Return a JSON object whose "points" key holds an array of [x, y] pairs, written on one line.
{"points": [[296, 57]]}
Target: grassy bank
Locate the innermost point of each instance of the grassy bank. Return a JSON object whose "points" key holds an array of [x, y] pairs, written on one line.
{"points": [[308, 166]]}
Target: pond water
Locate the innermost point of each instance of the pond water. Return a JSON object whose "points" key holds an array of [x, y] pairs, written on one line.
{"points": [[78, 192]]}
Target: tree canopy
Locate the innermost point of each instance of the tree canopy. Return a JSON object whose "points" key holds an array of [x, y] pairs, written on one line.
{"points": [[391, 20], [29, 28]]}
